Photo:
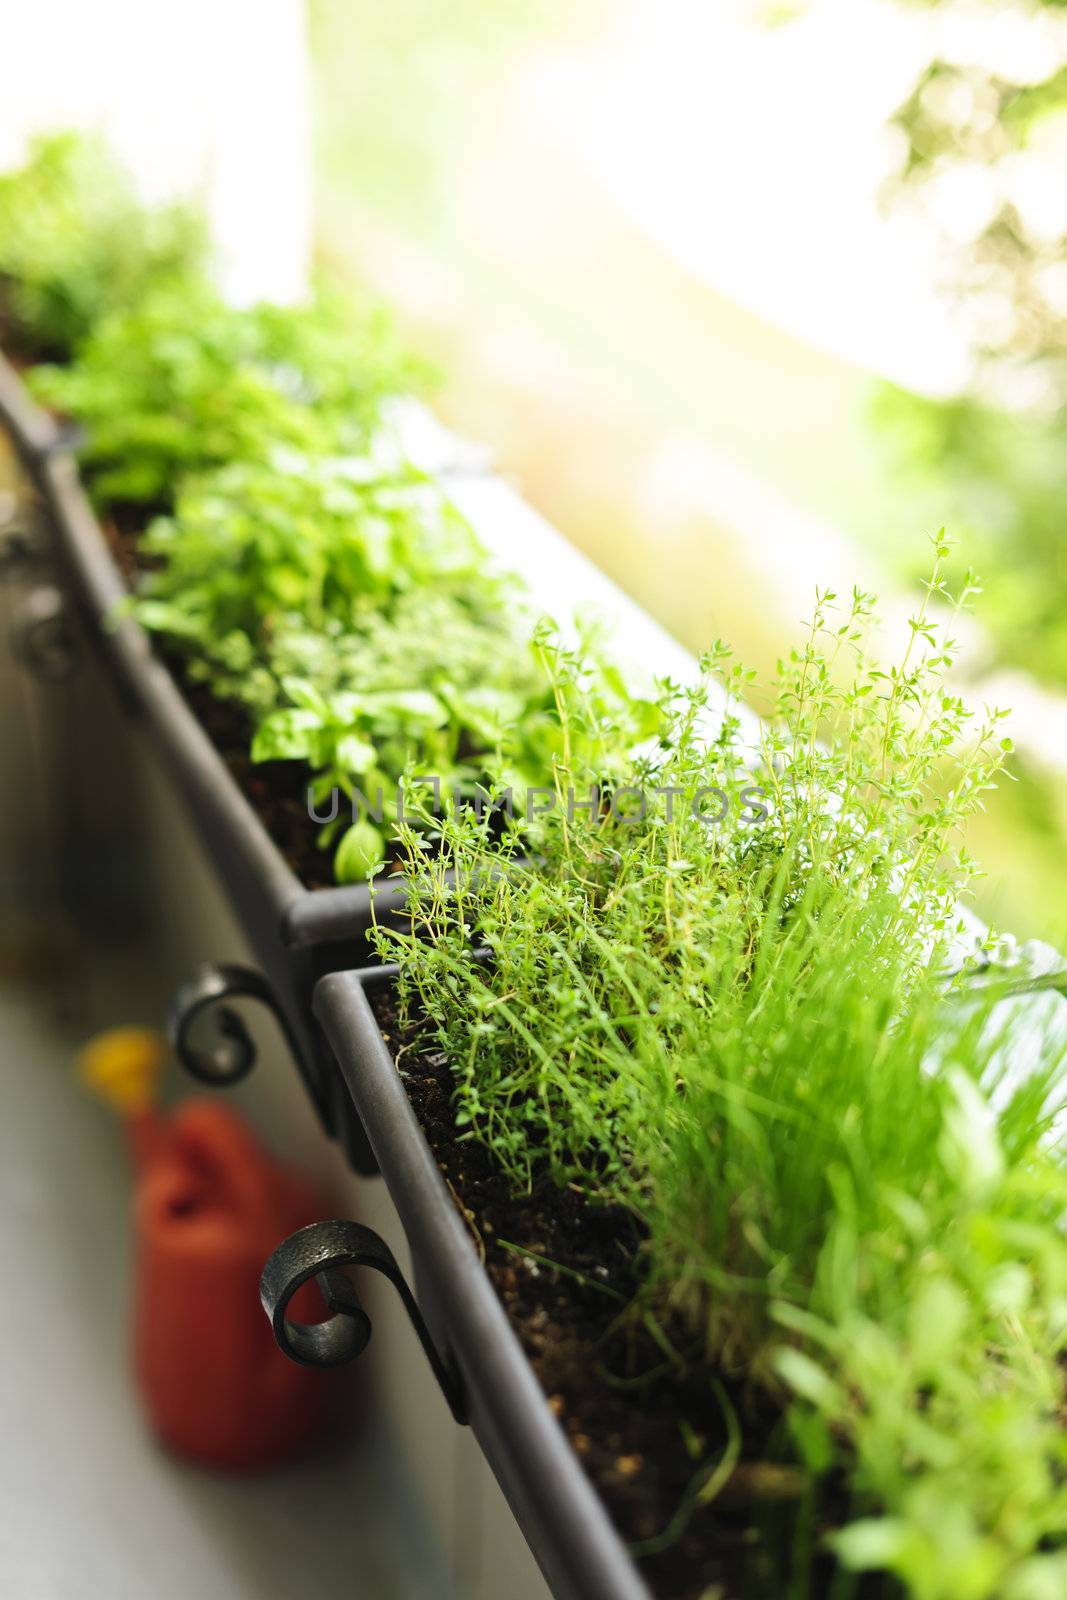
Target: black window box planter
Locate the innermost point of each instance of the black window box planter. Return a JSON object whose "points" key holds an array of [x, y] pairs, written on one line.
{"points": [[296, 933], [311, 946], [565, 1524]]}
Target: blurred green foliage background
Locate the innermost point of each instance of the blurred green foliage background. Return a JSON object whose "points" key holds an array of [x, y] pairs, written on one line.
{"points": [[689, 444]]}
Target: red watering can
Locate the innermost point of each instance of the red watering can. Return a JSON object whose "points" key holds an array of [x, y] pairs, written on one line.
{"points": [[210, 1206]]}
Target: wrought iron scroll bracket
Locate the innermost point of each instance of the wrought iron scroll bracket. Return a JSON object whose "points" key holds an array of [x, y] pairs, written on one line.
{"points": [[20, 549], [21, 543], [322, 1251], [231, 1054], [41, 635]]}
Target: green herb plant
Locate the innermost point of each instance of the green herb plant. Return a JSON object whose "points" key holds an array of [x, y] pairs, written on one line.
{"points": [[742, 1032], [181, 382], [352, 617], [301, 567], [76, 245]]}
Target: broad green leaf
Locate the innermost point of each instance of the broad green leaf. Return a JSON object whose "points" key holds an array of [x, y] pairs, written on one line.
{"points": [[355, 754], [360, 852], [874, 1543], [285, 735]]}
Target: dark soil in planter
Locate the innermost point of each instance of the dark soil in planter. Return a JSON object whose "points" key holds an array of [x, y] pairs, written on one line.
{"points": [[642, 1427], [277, 790]]}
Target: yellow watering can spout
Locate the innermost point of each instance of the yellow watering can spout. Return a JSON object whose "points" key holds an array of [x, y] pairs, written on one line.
{"points": [[122, 1066]]}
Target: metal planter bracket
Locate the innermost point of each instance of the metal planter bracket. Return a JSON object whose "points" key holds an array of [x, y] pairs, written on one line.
{"points": [[232, 1053], [565, 1522], [41, 635], [22, 544], [322, 1251], [21, 548]]}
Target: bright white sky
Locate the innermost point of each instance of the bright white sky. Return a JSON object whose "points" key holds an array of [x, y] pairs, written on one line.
{"points": [[754, 155], [209, 96]]}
